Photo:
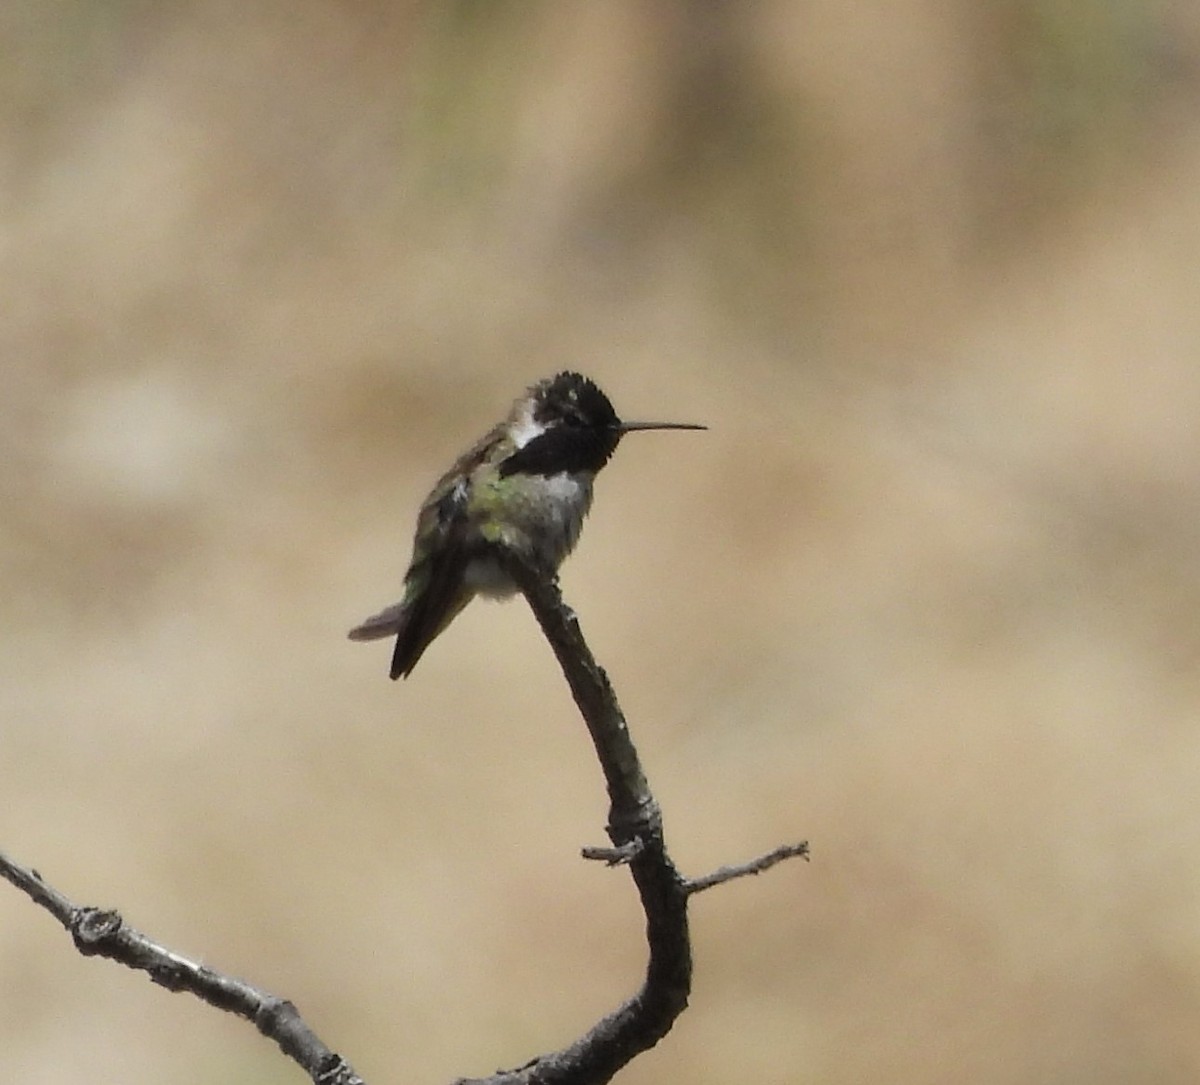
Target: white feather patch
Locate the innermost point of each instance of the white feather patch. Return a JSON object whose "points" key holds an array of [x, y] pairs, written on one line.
{"points": [[525, 429]]}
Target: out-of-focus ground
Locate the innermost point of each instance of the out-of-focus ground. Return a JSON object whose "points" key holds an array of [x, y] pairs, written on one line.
{"points": [[927, 593]]}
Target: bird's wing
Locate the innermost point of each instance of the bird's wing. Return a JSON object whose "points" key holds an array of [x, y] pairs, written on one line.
{"points": [[434, 589]]}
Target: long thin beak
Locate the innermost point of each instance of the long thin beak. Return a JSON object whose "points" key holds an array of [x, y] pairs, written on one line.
{"points": [[629, 427]]}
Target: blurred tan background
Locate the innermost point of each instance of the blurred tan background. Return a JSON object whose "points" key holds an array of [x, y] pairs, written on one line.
{"points": [[927, 594]]}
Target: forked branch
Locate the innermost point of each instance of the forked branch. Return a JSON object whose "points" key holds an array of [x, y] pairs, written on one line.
{"points": [[634, 827], [636, 830]]}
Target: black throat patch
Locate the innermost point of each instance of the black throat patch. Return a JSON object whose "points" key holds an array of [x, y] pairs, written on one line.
{"points": [[563, 448]]}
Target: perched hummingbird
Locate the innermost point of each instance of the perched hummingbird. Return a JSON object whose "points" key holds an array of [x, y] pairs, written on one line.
{"points": [[526, 485]]}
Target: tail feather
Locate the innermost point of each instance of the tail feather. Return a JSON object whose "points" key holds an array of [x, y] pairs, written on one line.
{"points": [[386, 623], [414, 627], [435, 591], [419, 633]]}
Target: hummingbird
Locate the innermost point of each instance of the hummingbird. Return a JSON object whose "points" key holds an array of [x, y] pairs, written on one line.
{"points": [[525, 486]]}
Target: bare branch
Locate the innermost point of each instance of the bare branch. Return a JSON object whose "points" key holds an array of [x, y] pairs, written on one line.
{"points": [[100, 933], [634, 827], [636, 830], [755, 866]]}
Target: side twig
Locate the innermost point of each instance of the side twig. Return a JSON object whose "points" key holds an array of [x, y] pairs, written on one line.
{"points": [[100, 933], [755, 866]]}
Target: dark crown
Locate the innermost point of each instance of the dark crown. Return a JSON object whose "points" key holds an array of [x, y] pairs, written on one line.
{"points": [[574, 400]]}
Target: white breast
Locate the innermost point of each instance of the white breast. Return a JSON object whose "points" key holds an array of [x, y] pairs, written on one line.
{"points": [[563, 488]]}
